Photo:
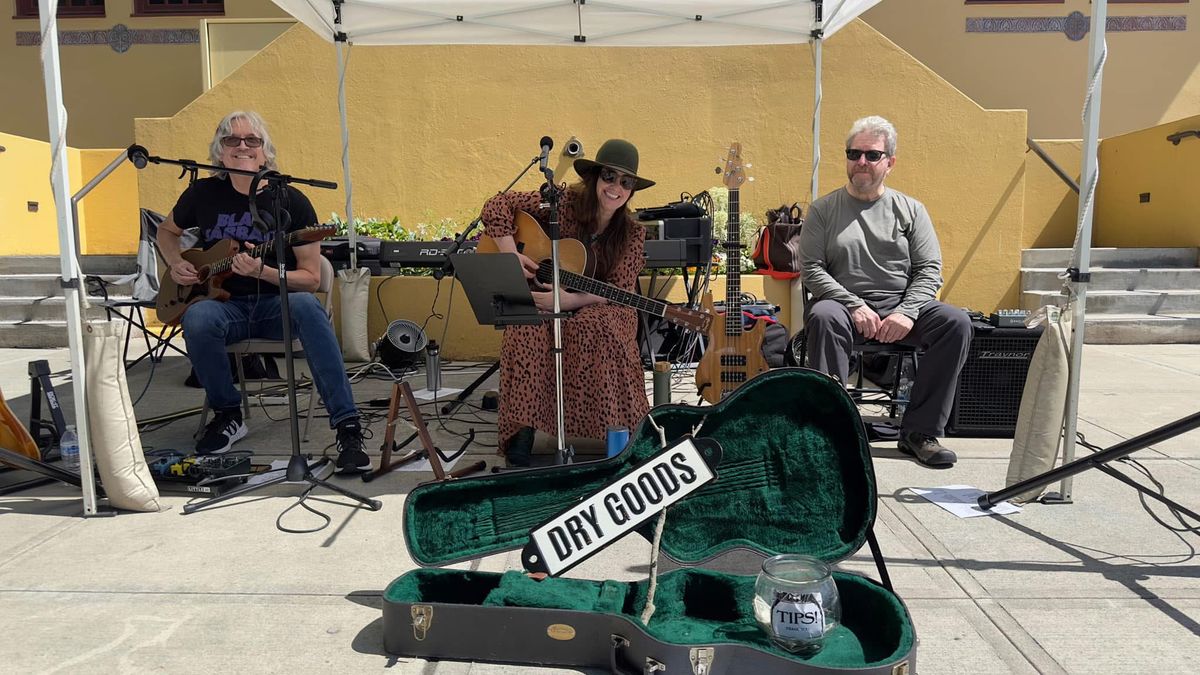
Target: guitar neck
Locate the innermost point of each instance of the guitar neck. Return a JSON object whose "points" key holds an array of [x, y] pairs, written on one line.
{"points": [[733, 268], [585, 284], [259, 251]]}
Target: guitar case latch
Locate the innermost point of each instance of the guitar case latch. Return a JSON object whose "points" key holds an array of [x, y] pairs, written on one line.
{"points": [[422, 619]]}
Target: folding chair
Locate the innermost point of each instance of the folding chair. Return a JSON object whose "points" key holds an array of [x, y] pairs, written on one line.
{"points": [[797, 355], [261, 346], [144, 296]]}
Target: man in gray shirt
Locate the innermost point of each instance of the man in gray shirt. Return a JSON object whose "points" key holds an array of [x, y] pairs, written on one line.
{"points": [[873, 267]]}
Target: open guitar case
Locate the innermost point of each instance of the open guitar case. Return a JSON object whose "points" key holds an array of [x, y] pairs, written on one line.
{"points": [[794, 476]]}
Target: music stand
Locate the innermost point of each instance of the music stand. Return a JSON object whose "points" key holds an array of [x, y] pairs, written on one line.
{"points": [[497, 289]]}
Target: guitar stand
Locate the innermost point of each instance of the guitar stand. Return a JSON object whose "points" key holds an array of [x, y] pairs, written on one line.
{"points": [[45, 432], [427, 449]]}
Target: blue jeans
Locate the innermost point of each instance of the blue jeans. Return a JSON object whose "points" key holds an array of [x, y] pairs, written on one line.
{"points": [[209, 326]]}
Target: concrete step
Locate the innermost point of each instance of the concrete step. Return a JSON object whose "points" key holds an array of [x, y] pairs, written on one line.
{"points": [[1134, 329], [1113, 257], [41, 309], [48, 286], [1116, 279], [33, 334], [1151, 302], [117, 265]]}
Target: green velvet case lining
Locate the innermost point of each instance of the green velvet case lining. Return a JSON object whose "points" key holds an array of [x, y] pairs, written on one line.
{"points": [[795, 477], [693, 607]]}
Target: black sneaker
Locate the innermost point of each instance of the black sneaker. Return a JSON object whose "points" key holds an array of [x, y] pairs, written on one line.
{"points": [[927, 450], [222, 432], [352, 459]]}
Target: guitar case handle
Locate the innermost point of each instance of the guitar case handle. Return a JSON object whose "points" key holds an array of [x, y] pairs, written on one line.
{"points": [[616, 659]]}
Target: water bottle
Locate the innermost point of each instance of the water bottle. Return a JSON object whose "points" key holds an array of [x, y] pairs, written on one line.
{"points": [[662, 382], [616, 439], [904, 390], [68, 449]]}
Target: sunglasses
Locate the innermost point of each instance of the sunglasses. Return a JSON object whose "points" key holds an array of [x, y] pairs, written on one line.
{"points": [[609, 176], [234, 141], [871, 155]]}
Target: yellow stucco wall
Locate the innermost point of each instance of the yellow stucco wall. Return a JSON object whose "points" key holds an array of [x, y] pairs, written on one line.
{"points": [[25, 177], [436, 130], [1150, 76], [108, 215], [104, 90], [1051, 207], [1145, 162]]}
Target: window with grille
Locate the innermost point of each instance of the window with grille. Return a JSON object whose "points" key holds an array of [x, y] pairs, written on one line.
{"points": [[28, 9], [178, 7]]}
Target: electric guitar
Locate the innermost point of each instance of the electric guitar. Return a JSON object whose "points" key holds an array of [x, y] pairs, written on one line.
{"points": [[574, 268], [732, 355], [214, 265]]}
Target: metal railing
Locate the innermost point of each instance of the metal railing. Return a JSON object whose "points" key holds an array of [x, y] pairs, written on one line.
{"points": [[1058, 170], [1180, 135]]}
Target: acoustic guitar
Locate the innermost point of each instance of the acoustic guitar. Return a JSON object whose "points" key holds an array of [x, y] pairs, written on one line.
{"points": [[214, 265], [733, 355], [14, 437], [574, 268]]}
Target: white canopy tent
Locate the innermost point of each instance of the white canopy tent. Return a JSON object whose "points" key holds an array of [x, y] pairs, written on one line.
{"points": [[571, 23], [562, 23]]}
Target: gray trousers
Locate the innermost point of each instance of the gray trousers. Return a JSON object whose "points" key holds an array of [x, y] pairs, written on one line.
{"points": [[941, 331]]}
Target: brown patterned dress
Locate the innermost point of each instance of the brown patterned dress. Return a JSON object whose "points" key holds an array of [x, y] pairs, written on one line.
{"points": [[603, 383]]}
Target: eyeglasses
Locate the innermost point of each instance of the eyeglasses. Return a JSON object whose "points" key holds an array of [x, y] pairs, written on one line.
{"points": [[234, 141], [610, 176], [872, 155]]}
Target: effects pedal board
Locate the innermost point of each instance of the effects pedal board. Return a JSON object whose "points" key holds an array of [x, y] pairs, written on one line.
{"points": [[1008, 318]]}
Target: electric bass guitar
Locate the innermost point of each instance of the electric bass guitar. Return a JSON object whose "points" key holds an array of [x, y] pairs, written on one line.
{"points": [[732, 355], [574, 268], [214, 265]]}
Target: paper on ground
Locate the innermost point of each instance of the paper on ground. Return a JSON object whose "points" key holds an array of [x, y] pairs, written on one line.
{"points": [[426, 395], [963, 501], [423, 464]]}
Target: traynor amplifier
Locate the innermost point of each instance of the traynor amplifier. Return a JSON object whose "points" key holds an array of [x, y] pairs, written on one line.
{"points": [[988, 396]]}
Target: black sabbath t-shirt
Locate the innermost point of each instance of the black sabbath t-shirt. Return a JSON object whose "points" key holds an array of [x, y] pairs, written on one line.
{"points": [[221, 212]]}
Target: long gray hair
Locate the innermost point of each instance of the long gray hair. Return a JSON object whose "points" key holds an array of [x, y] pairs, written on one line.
{"points": [[225, 128], [876, 126]]}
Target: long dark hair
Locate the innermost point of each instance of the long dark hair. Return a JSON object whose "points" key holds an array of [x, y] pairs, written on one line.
{"points": [[615, 237]]}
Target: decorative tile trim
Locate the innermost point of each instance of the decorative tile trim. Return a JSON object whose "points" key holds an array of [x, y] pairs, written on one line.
{"points": [[1075, 25], [120, 37]]}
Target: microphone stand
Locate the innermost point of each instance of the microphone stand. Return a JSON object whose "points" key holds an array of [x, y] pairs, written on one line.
{"points": [[565, 455], [298, 468]]}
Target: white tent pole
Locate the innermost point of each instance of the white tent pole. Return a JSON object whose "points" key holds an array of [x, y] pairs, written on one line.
{"points": [[339, 38], [60, 182], [816, 126], [1081, 258]]}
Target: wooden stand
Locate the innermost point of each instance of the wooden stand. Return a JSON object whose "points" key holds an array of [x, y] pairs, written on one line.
{"points": [[427, 449]]}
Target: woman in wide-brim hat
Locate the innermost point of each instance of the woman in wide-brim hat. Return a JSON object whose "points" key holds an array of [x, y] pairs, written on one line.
{"points": [[602, 368]]}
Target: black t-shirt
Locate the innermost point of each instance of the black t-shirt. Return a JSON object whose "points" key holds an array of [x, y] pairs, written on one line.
{"points": [[221, 212]]}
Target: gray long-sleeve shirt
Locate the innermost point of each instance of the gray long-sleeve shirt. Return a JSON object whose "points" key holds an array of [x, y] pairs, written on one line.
{"points": [[883, 254]]}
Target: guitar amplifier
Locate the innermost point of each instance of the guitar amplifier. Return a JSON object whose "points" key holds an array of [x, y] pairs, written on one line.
{"points": [[988, 396]]}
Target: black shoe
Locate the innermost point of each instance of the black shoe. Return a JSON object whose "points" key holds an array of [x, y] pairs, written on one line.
{"points": [[927, 450], [352, 459], [222, 432], [520, 448]]}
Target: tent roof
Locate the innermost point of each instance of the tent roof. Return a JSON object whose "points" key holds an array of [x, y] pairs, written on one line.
{"points": [[628, 23]]}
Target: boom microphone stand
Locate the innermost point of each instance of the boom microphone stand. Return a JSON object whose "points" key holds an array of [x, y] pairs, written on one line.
{"points": [[565, 455], [298, 468]]}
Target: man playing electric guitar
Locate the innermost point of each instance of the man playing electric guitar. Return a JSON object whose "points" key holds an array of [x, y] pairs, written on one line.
{"points": [[219, 207]]}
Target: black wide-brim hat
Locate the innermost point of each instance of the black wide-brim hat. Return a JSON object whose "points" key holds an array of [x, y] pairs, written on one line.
{"points": [[618, 154]]}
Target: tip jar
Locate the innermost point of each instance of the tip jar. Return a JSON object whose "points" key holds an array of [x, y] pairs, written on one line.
{"points": [[796, 602]]}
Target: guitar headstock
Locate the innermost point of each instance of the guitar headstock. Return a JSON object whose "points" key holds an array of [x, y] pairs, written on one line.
{"points": [[315, 233], [691, 319], [733, 172]]}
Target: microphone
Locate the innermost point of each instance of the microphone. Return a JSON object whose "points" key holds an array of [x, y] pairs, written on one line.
{"points": [[547, 144], [138, 156]]}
